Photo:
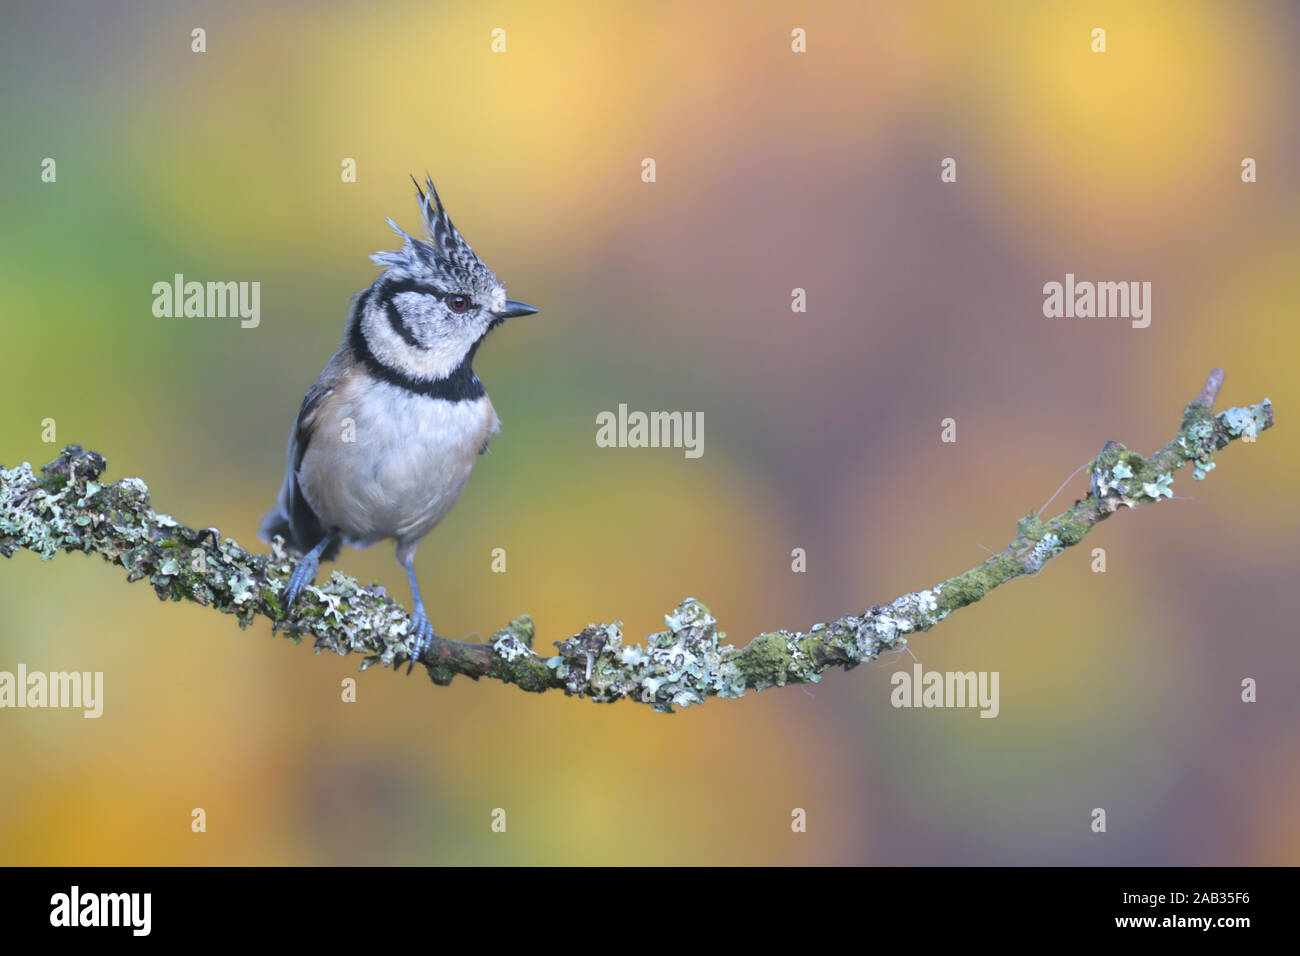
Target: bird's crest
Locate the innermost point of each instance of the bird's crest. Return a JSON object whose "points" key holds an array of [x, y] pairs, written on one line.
{"points": [[445, 259]]}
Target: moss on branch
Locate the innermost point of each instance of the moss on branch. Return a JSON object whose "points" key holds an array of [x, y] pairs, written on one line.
{"points": [[67, 508]]}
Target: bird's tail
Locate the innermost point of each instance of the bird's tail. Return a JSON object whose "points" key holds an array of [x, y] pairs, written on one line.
{"points": [[276, 522]]}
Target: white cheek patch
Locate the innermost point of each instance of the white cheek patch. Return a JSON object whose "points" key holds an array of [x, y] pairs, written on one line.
{"points": [[414, 303], [434, 362]]}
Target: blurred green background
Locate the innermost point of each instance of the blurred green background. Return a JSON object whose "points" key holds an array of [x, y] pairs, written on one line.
{"points": [[775, 171]]}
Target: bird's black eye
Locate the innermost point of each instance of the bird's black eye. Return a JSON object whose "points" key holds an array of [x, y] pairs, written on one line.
{"points": [[457, 303]]}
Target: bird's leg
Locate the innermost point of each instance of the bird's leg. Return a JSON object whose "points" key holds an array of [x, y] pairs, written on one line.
{"points": [[420, 626], [305, 573]]}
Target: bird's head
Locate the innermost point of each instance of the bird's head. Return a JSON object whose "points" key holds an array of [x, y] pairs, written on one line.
{"points": [[435, 300]]}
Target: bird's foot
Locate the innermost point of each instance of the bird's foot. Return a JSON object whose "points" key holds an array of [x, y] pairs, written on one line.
{"points": [[303, 575], [422, 631]]}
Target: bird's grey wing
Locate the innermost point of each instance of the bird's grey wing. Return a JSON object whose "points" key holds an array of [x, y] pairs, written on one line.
{"points": [[293, 516]]}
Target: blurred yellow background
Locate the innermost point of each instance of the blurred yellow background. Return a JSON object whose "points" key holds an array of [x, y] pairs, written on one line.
{"points": [[775, 170]]}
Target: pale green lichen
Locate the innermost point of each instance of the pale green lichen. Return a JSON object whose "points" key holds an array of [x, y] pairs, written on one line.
{"points": [[921, 608], [510, 648], [1201, 438], [31, 514], [1046, 548], [1117, 472], [681, 666], [1117, 486], [332, 603], [690, 613], [1198, 447], [242, 588], [1245, 423], [917, 611], [1162, 486]]}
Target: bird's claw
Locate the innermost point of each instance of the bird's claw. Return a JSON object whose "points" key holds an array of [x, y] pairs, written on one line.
{"points": [[422, 631], [303, 575]]}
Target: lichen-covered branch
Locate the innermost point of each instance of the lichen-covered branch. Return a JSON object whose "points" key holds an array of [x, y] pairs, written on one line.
{"points": [[68, 508]]}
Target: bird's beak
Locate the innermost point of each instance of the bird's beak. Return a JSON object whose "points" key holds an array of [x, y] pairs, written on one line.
{"points": [[513, 309]]}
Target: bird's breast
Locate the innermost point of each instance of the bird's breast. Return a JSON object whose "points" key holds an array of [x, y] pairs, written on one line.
{"points": [[384, 462]]}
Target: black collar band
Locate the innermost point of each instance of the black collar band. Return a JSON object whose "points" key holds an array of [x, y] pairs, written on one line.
{"points": [[462, 385]]}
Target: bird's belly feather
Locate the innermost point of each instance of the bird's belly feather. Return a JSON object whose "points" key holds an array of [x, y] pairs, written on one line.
{"points": [[408, 463]]}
